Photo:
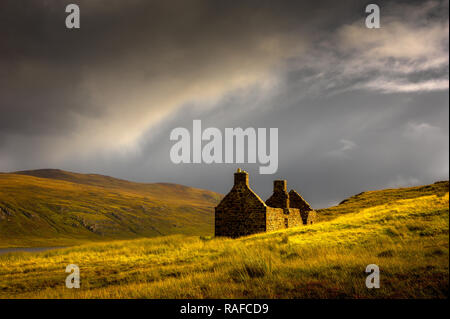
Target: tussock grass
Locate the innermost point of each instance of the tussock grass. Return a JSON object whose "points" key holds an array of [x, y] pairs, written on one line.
{"points": [[407, 238]]}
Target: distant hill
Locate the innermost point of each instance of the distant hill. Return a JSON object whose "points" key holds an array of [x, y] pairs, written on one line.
{"points": [[56, 207]]}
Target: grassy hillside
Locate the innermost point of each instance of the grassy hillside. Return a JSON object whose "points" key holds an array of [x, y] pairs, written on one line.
{"points": [[408, 238], [381, 197], [56, 208]]}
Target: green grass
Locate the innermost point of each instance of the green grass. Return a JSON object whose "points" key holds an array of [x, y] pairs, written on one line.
{"points": [[57, 208], [408, 238]]}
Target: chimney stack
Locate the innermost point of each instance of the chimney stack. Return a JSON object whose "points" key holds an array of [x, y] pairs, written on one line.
{"points": [[280, 196], [279, 186], [240, 178]]}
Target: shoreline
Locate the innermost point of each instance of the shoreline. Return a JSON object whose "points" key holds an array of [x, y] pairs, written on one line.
{"points": [[27, 249]]}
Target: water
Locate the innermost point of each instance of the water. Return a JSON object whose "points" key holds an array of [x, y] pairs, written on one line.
{"points": [[25, 249]]}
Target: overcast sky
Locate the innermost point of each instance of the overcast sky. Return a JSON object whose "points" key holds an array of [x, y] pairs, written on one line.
{"points": [[357, 109]]}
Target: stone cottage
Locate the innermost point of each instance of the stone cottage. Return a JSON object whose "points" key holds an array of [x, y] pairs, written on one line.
{"points": [[242, 212]]}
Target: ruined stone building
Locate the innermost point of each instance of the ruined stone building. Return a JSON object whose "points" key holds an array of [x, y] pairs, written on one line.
{"points": [[242, 212]]}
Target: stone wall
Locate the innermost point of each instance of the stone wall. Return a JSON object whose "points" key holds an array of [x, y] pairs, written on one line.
{"points": [[241, 212], [310, 218], [308, 214], [275, 218], [281, 218]]}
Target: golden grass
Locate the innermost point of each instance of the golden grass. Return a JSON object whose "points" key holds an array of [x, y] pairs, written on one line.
{"points": [[407, 238]]}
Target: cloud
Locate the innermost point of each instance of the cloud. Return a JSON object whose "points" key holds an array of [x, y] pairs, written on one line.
{"points": [[347, 146], [101, 87], [104, 98], [389, 86], [423, 132], [405, 55], [104, 85]]}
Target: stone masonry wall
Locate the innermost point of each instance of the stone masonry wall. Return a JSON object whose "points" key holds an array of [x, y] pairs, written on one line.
{"points": [[275, 218], [281, 218], [297, 201], [311, 217], [241, 212]]}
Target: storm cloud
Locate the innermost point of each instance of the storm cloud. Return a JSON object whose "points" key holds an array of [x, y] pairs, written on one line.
{"points": [[356, 108]]}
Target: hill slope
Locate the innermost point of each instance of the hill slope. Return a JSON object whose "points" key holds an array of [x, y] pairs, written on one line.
{"points": [[54, 207], [382, 197], [407, 239]]}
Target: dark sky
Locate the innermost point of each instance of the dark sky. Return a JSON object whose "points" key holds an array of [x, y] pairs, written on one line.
{"points": [[356, 108]]}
